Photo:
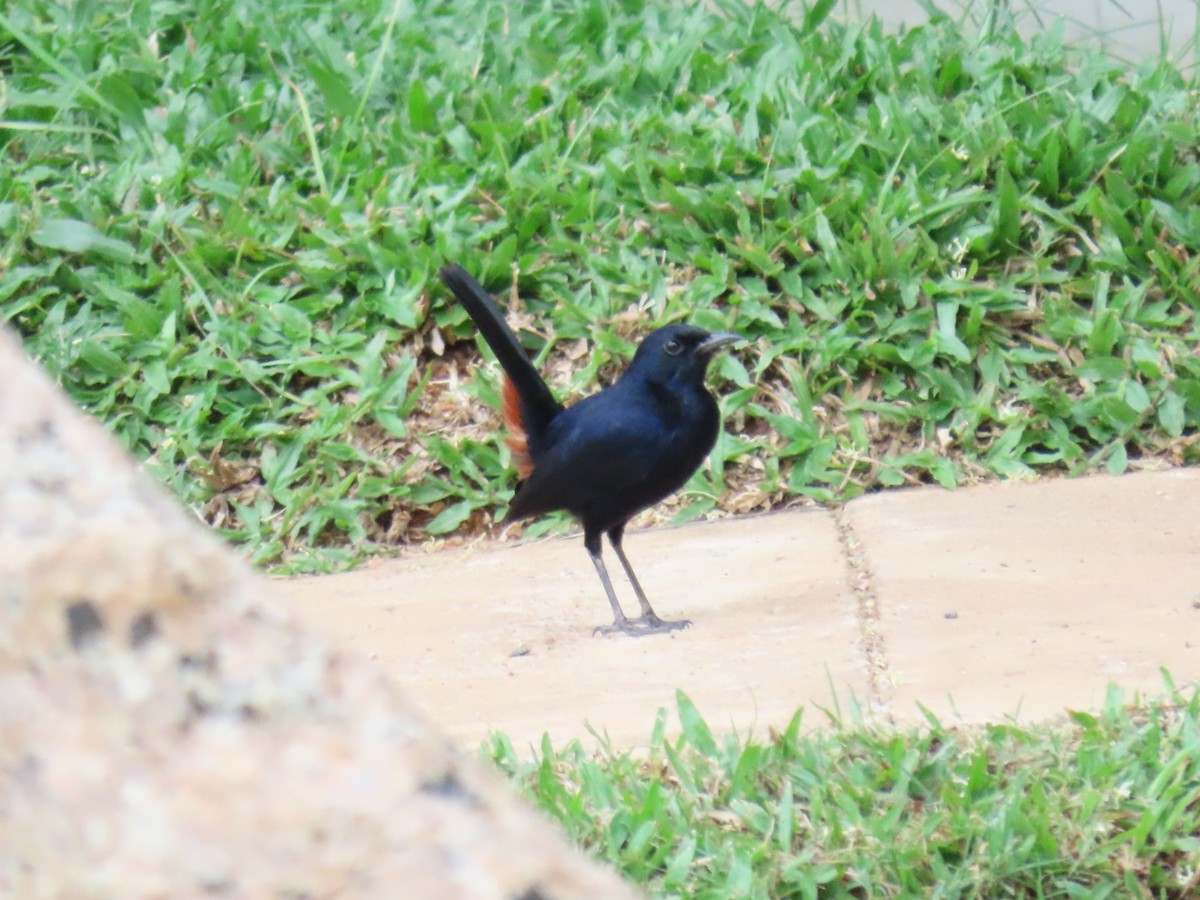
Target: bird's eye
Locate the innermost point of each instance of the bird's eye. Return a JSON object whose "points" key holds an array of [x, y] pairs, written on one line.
{"points": [[673, 347]]}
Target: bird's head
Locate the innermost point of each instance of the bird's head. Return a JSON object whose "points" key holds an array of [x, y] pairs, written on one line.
{"points": [[678, 352]]}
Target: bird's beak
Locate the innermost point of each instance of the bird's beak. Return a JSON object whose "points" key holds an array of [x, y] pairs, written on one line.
{"points": [[715, 342]]}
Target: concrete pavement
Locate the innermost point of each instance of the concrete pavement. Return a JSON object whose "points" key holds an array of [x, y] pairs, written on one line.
{"points": [[1007, 601]]}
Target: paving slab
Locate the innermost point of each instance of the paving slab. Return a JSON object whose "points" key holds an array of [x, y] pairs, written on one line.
{"points": [[501, 636], [1021, 600]]}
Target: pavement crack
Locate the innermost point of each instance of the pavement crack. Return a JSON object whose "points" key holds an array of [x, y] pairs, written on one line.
{"points": [[871, 641]]}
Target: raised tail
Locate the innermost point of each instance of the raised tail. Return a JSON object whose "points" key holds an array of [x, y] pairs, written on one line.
{"points": [[537, 403]]}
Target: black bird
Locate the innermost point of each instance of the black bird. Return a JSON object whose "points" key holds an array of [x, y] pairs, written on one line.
{"points": [[614, 453]]}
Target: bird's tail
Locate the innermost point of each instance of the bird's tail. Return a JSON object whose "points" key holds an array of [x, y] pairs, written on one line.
{"points": [[537, 403]]}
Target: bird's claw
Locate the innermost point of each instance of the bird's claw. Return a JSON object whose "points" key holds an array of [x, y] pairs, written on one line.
{"points": [[653, 623], [643, 625]]}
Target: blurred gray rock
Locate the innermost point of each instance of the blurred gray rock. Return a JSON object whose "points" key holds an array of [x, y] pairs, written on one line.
{"points": [[164, 734]]}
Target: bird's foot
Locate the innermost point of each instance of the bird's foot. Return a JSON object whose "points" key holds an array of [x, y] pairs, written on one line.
{"points": [[643, 625], [651, 622]]}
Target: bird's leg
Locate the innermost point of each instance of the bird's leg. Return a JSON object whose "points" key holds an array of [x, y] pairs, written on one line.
{"points": [[620, 623], [649, 618]]}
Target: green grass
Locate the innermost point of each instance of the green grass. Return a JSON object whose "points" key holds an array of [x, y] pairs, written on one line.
{"points": [[1105, 805], [957, 257]]}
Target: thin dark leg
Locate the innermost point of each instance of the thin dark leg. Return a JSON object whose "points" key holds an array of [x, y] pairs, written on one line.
{"points": [[592, 541], [620, 623], [648, 617], [647, 611]]}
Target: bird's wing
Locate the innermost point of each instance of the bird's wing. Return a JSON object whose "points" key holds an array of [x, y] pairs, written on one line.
{"points": [[598, 453]]}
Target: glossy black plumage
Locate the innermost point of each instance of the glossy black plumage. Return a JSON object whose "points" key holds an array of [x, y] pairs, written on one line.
{"points": [[614, 453]]}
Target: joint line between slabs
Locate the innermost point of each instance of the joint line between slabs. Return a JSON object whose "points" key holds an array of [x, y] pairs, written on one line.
{"points": [[871, 641]]}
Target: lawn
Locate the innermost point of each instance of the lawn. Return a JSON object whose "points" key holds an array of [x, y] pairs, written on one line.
{"points": [[956, 255], [1104, 805]]}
